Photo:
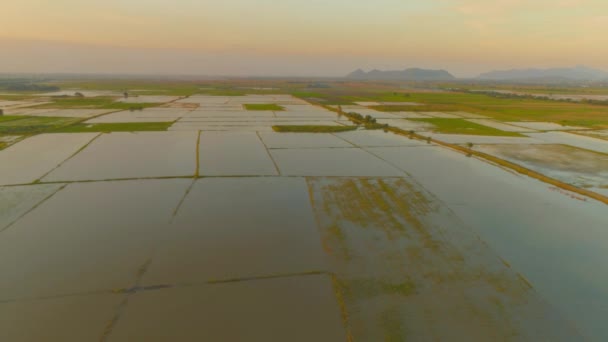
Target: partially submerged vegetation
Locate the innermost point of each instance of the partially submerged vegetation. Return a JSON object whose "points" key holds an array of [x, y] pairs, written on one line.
{"points": [[33, 124], [367, 121], [264, 106], [461, 126], [93, 103], [115, 127], [312, 129]]}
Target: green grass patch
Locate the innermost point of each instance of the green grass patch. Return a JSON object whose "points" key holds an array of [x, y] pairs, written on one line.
{"points": [[312, 129], [461, 126], [115, 127], [264, 106], [33, 124]]}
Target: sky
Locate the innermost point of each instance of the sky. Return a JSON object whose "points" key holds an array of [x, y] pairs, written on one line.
{"points": [[299, 38]]}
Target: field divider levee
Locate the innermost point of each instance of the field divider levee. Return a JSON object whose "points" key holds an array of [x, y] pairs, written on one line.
{"points": [[487, 157]]}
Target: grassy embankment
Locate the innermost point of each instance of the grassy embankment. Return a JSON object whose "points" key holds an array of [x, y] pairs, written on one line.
{"points": [[27, 125], [115, 127], [312, 129]]}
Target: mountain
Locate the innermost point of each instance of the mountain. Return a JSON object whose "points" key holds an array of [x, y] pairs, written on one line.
{"points": [[579, 73], [412, 74]]}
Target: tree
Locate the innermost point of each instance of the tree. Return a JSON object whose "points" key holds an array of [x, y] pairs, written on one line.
{"points": [[470, 146]]}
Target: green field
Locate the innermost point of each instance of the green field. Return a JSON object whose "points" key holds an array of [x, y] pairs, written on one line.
{"points": [[263, 106], [115, 127], [93, 102], [503, 109], [461, 126], [33, 124], [313, 129]]}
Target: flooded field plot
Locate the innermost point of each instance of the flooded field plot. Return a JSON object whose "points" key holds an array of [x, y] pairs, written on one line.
{"points": [[377, 138], [332, 162], [263, 126], [302, 140], [442, 115], [544, 126], [146, 115], [467, 115], [234, 154], [28, 111], [106, 230], [544, 233], [603, 191], [571, 165], [220, 108], [148, 99], [406, 268], [602, 134], [131, 155], [303, 309], [71, 318], [305, 108], [86, 93], [411, 115], [249, 120], [229, 114], [501, 125], [307, 115], [239, 228], [407, 125], [481, 139], [23, 162], [204, 100], [16, 201], [185, 126], [571, 139]]}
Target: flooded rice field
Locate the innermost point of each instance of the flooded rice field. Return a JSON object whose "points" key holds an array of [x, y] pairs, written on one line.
{"points": [[571, 165], [221, 235], [131, 155], [575, 140], [23, 162]]}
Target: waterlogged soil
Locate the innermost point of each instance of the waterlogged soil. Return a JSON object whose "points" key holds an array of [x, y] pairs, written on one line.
{"points": [[555, 238], [239, 228], [406, 268], [569, 164], [294, 309], [15, 201], [23, 162]]}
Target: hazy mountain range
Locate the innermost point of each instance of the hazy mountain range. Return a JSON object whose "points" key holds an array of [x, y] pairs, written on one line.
{"points": [[578, 73]]}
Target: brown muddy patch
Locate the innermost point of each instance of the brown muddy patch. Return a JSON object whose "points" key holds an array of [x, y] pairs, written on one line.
{"points": [[407, 268]]}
